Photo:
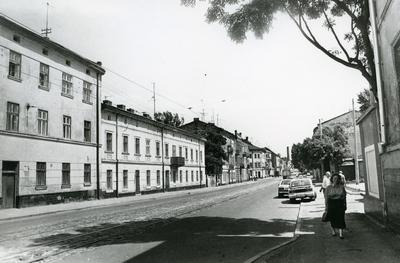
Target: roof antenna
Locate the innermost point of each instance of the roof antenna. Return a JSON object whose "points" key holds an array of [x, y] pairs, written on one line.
{"points": [[47, 30]]}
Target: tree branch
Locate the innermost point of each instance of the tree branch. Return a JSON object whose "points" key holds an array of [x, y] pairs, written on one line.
{"points": [[336, 37]]}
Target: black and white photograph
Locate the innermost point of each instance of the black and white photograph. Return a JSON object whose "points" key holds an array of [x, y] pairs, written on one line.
{"points": [[238, 131]]}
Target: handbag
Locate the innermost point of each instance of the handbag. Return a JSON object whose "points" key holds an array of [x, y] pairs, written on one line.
{"points": [[325, 217]]}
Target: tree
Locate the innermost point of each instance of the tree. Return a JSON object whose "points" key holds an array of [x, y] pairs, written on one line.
{"points": [[169, 118], [363, 99], [214, 152], [354, 48], [331, 147]]}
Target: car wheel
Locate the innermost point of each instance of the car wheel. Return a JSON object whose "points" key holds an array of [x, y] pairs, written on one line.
{"points": [[292, 200], [279, 195]]}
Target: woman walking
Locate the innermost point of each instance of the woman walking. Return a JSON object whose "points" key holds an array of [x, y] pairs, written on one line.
{"points": [[335, 198]]}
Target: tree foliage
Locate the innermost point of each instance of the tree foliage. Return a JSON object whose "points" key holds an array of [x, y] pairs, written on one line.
{"points": [[214, 152], [363, 99], [353, 49], [169, 118], [331, 146]]}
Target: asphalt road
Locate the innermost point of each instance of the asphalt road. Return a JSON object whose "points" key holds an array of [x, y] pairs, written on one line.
{"points": [[231, 224]]}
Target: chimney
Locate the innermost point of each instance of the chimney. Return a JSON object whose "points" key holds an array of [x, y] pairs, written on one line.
{"points": [[236, 133], [247, 138], [99, 63], [130, 110], [107, 102], [121, 106], [240, 134], [196, 119]]}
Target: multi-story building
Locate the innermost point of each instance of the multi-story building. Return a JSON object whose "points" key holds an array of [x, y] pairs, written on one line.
{"points": [[381, 146], [257, 166], [140, 155], [48, 101]]}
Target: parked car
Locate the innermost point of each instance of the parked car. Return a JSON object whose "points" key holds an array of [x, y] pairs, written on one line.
{"points": [[283, 188], [301, 188]]}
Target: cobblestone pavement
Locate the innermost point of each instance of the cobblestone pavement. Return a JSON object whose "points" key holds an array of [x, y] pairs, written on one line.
{"points": [[50, 237]]}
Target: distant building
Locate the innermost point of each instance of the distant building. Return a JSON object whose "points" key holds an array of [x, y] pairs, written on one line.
{"points": [[142, 156], [235, 168], [47, 120], [345, 121], [258, 162]]}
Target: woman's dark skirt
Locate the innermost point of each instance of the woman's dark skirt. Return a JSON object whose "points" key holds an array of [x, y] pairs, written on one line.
{"points": [[336, 210]]}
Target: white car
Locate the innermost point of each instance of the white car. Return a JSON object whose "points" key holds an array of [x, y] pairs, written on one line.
{"points": [[301, 188], [283, 188]]}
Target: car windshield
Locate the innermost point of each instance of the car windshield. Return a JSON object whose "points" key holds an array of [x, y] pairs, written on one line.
{"points": [[285, 182], [300, 182]]}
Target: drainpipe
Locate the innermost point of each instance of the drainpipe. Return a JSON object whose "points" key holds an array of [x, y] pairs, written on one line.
{"points": [[377, 61], [97, 137], [162, 157], [116, 154]]}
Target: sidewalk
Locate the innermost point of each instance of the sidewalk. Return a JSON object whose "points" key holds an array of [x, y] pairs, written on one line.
{"points": [[352, 186], [363, 242], [14, 213]]}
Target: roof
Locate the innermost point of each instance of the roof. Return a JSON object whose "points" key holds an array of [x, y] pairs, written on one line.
{"points": [[49, 43], [331, 119], [208, 125], [149, 121]]}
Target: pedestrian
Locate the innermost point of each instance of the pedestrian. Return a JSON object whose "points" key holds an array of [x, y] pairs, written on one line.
{"points": [[342, 177], [335, 205], [326, 181]]}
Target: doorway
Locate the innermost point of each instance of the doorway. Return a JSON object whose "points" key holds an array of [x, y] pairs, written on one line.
{"points": [[166, 179], [9, 181], [137, 181]]}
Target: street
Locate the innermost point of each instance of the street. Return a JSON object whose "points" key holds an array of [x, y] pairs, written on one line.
{"points": [[229, 224]]}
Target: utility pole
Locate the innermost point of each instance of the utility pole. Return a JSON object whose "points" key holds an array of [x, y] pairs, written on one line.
{"points": [[356, 167], [154, 100], [46, 31]]}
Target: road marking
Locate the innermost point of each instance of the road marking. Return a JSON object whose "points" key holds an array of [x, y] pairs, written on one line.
{"points": [[284, 235]]}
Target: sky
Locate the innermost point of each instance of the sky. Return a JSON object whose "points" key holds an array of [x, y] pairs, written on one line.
{"points": [[272, 90]]}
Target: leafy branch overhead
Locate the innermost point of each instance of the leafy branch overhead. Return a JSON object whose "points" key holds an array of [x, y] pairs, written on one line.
{"points": [[169, 118], [354, 48]]}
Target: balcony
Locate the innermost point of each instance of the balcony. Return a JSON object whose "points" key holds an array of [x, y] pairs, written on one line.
{"points": [[177, 161]]}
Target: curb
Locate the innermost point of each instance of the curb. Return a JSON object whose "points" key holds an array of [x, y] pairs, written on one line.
{"points": [[293, 239]]}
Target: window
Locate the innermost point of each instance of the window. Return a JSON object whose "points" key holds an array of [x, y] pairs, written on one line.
{"points": [[67, 84], [68, 62], [192, 177], [45, 51], [87, 92], [87, 179], [14, 66], [174, 176], [67, 127], [197, 155], [191, 154], [148, 147], [180, 151], [44, 76], [187, 176], [87, 131], [197, 176], [66, 172], [40, 174], [166, 151], [137, 146], [201, 176], [16, 38], [42, 122], [180, 176], [125, 178], [125, 144], [186, 153], [109, 179], [157, 148], [109, 142], [158, 177], [173, 150], [148, 177], [12, 116], [201, 156]]}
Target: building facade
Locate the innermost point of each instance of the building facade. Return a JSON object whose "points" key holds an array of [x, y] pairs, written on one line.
{"points": [[141, 156], [383, 158], [47, 120], [258, 162]]}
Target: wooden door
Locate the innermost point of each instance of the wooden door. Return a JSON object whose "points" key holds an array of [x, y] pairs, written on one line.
{"points": [[9, 184], [137, 181]]}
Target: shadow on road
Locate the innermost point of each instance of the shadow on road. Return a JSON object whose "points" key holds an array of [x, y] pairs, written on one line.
{"points": [[191, 239]]}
